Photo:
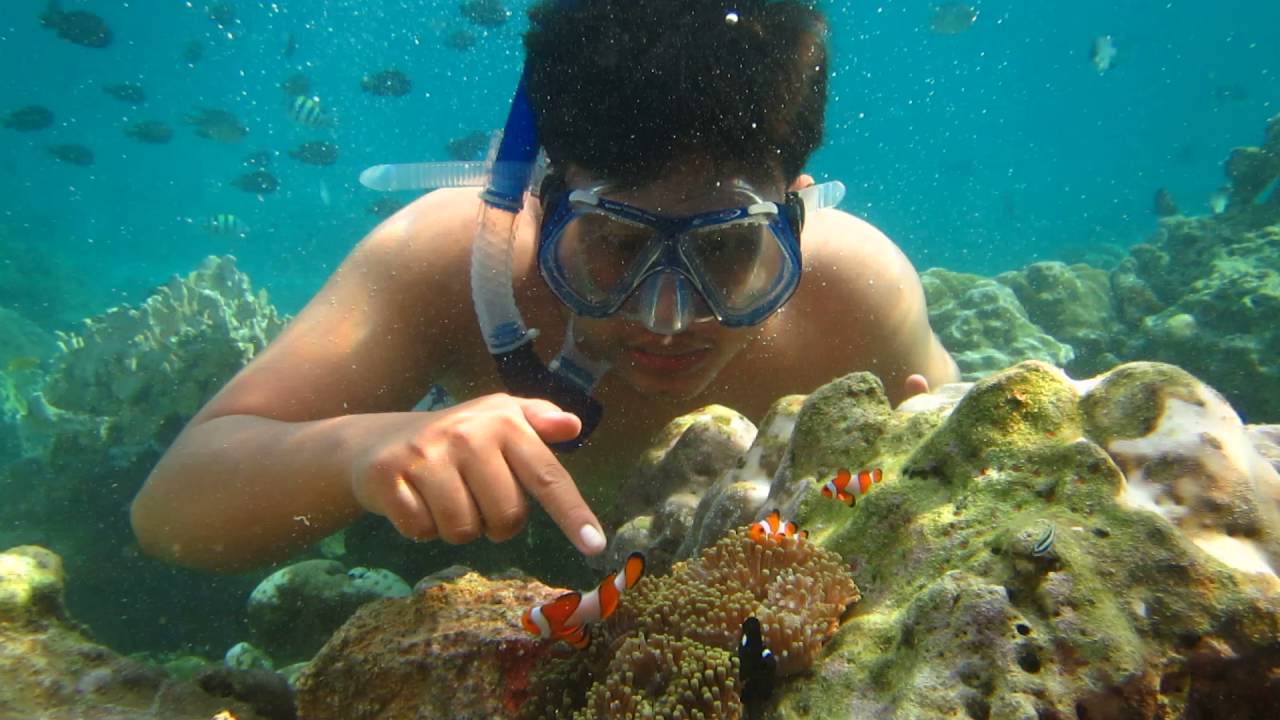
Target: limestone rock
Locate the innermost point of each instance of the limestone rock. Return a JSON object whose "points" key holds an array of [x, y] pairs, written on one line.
{"points": [[453, 649], [294, 610], [1048, 548], [687, 458], [739, 494]]}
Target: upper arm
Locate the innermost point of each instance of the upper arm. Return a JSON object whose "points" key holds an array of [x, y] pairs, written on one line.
{"points": [[887, 325], [376, 333]]}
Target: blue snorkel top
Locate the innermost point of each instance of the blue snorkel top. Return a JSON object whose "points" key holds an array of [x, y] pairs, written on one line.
{"points": [[570, 377]]}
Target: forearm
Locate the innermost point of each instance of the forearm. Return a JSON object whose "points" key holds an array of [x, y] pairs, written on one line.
{"points": [[238, 491]]}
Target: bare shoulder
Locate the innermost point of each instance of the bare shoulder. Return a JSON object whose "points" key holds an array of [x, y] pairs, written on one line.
{"points": [[850, 262], [444, 217], [380, 328], [862, 298]]}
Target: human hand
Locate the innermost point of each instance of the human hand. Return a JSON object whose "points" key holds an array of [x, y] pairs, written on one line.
{"points": [[916, 385], [464, 471]]}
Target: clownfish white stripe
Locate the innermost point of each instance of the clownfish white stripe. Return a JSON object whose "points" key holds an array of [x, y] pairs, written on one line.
{"points": [[772, 526], [846, 489], [567, 616], [540, 621]]}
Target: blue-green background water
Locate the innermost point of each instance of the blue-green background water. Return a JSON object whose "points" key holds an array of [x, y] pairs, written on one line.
{"points": [[979, 152]]}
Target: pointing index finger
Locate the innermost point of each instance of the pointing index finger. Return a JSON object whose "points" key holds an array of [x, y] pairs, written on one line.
{"points": [[542, 476]]}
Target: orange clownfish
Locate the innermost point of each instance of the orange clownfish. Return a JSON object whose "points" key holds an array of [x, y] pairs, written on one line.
{"points": [[842, 487], [566, 617], [773, 526]]}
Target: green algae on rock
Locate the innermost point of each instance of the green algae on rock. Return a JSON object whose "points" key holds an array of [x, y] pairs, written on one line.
{"points": [[1008, 569]]}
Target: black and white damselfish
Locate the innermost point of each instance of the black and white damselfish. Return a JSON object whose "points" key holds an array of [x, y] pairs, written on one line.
{"points": [[757, 669]]}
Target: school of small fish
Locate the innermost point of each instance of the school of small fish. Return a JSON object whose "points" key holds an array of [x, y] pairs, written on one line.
{"points": [[91, 30]]}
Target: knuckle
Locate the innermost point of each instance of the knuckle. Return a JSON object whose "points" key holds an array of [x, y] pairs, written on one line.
{"points": [[549, 476], [416, 527], [462, 438], [460, 533], [507, 522]]}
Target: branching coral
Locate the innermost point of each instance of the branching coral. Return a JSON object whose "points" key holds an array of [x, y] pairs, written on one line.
{"points": [[207, 324]]}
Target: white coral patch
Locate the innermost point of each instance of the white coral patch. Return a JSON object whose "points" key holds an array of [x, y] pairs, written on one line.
{"points": [[1209, 441], [1239, 553]]}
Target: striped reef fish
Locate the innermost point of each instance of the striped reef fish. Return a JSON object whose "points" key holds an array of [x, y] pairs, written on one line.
{"points": [[1044, 542], [843, 488], [306, 110], [566, 617], [773, 526], [227, 224]]}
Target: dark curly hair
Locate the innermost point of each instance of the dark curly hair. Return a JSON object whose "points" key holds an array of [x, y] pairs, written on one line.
{"points": [[624, 88]]}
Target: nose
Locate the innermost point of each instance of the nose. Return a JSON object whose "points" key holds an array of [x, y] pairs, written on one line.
{"points": [[666, 304]]}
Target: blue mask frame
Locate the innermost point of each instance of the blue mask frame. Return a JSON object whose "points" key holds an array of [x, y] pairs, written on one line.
{"points": [[666, 254]]}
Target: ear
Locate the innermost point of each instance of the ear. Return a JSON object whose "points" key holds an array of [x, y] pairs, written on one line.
{"points": [[802, 181]]}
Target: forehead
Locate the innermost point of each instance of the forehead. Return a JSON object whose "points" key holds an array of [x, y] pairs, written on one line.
{"points": [[685, 189]]}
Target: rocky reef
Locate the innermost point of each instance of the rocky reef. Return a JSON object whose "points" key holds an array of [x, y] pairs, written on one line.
{"points": [[1040, 548], [1054, 549], [50, 669], [1201, 293]]}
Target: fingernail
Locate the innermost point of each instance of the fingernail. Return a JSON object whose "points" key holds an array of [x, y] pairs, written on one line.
{"points": [[592, 539]]}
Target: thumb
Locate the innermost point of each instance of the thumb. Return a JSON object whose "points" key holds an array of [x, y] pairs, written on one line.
{"points": [[551, 423]]}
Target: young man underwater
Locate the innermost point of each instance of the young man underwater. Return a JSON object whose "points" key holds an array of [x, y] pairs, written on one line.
{"points": [[675, 241]]}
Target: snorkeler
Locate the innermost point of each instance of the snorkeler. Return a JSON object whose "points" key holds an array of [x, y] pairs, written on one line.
{"points": [[672, 255]]}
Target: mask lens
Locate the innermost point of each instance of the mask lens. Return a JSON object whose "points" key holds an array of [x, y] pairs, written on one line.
{"points": [[598, 253], [742, 263]]}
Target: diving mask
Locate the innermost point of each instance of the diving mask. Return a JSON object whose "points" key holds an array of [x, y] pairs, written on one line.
{"points": [[736, 264]]}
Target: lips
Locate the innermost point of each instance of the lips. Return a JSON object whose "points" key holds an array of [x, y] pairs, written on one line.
{"points": [[667, 359]]}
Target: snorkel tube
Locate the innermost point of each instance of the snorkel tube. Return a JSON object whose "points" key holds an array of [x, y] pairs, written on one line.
{"points": [[570, 377]]}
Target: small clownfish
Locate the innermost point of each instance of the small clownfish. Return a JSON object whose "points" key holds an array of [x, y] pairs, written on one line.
{"points": [[842, 488], [773, 526], [566, 617]]}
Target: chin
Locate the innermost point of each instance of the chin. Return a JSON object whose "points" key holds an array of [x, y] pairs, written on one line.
{"points": [[665, 388]]}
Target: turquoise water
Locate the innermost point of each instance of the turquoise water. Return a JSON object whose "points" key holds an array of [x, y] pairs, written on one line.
{"points": [[980, 151]]}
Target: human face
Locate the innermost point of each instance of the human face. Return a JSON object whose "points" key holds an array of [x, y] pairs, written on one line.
{"points": [[671, 365]]}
